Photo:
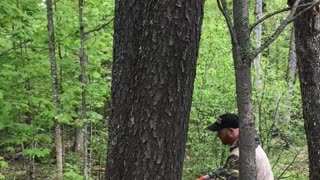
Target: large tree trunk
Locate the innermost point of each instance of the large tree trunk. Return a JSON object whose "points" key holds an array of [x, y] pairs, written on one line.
{"points": [[58, 138], [155, 51], [242, 63], [307, 31]]}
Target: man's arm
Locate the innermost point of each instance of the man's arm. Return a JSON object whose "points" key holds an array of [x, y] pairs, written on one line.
{"points": [[230, 170]]}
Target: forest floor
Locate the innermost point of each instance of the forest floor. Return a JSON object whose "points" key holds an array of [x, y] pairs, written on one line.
{"points": [[289, 164]]}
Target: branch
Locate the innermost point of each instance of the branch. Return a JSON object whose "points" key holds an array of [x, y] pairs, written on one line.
{"points": [[14, 48], [224, 10], [278, 158], [293, 160], [283, 24], [268, 16], [273, 14], [99, 28], [306, 9]]}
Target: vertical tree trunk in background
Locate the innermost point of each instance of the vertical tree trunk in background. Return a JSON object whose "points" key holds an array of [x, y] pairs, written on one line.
{"points": [[78, 141], [28, 114], [58, 139], [307, 33], [242, 63], [83, 59], [258, 34], [291, 76], [257, 60], [155, 51], [284, 117], [64, 132], [292, 61], [32, 167]]}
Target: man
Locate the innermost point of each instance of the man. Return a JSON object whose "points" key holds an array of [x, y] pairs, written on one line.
{"points": [[227, 128]]}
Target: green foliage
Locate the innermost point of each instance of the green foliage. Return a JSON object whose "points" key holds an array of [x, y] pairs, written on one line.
{"points": [[214, 94], [38, 152], [72, 172], [27, 113], [3, 165]]}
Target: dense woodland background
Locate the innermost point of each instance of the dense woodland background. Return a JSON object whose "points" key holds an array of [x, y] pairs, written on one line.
{"points": [[27, 113]]}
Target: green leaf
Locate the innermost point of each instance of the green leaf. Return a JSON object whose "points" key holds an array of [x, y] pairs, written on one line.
{"points": [[10, 149], [64, 118], [39, 152], [3, 163]]}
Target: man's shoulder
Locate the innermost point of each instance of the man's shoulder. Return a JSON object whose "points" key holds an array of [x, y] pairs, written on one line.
{"points": [[234, 151], [260, 153]]}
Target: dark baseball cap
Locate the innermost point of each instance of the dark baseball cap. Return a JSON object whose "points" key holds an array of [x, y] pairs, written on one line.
{"points": [[227, 120]]}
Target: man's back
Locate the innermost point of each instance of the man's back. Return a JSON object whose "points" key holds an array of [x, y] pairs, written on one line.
{"points": [[264, 171]]}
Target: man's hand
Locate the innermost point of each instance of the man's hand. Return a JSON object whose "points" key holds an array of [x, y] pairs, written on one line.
{"points": [[201, 178], [209, 176]]}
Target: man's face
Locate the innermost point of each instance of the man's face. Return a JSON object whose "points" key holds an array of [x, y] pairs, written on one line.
{"points": [[226, 136]]}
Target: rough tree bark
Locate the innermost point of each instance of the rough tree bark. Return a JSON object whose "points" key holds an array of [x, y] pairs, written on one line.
{"points": [[307, 33], [242, 64], [58, 138], [155, 51]]}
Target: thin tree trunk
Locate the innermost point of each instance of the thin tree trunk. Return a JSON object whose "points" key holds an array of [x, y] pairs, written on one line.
{"points": [[29, 118], [292, 65], [32, 167], [78, 141], [58, 139], [307, 34], [257, 60], [242, 63], [258, 34], [83, 59], [291, 77], [63, 127]]}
